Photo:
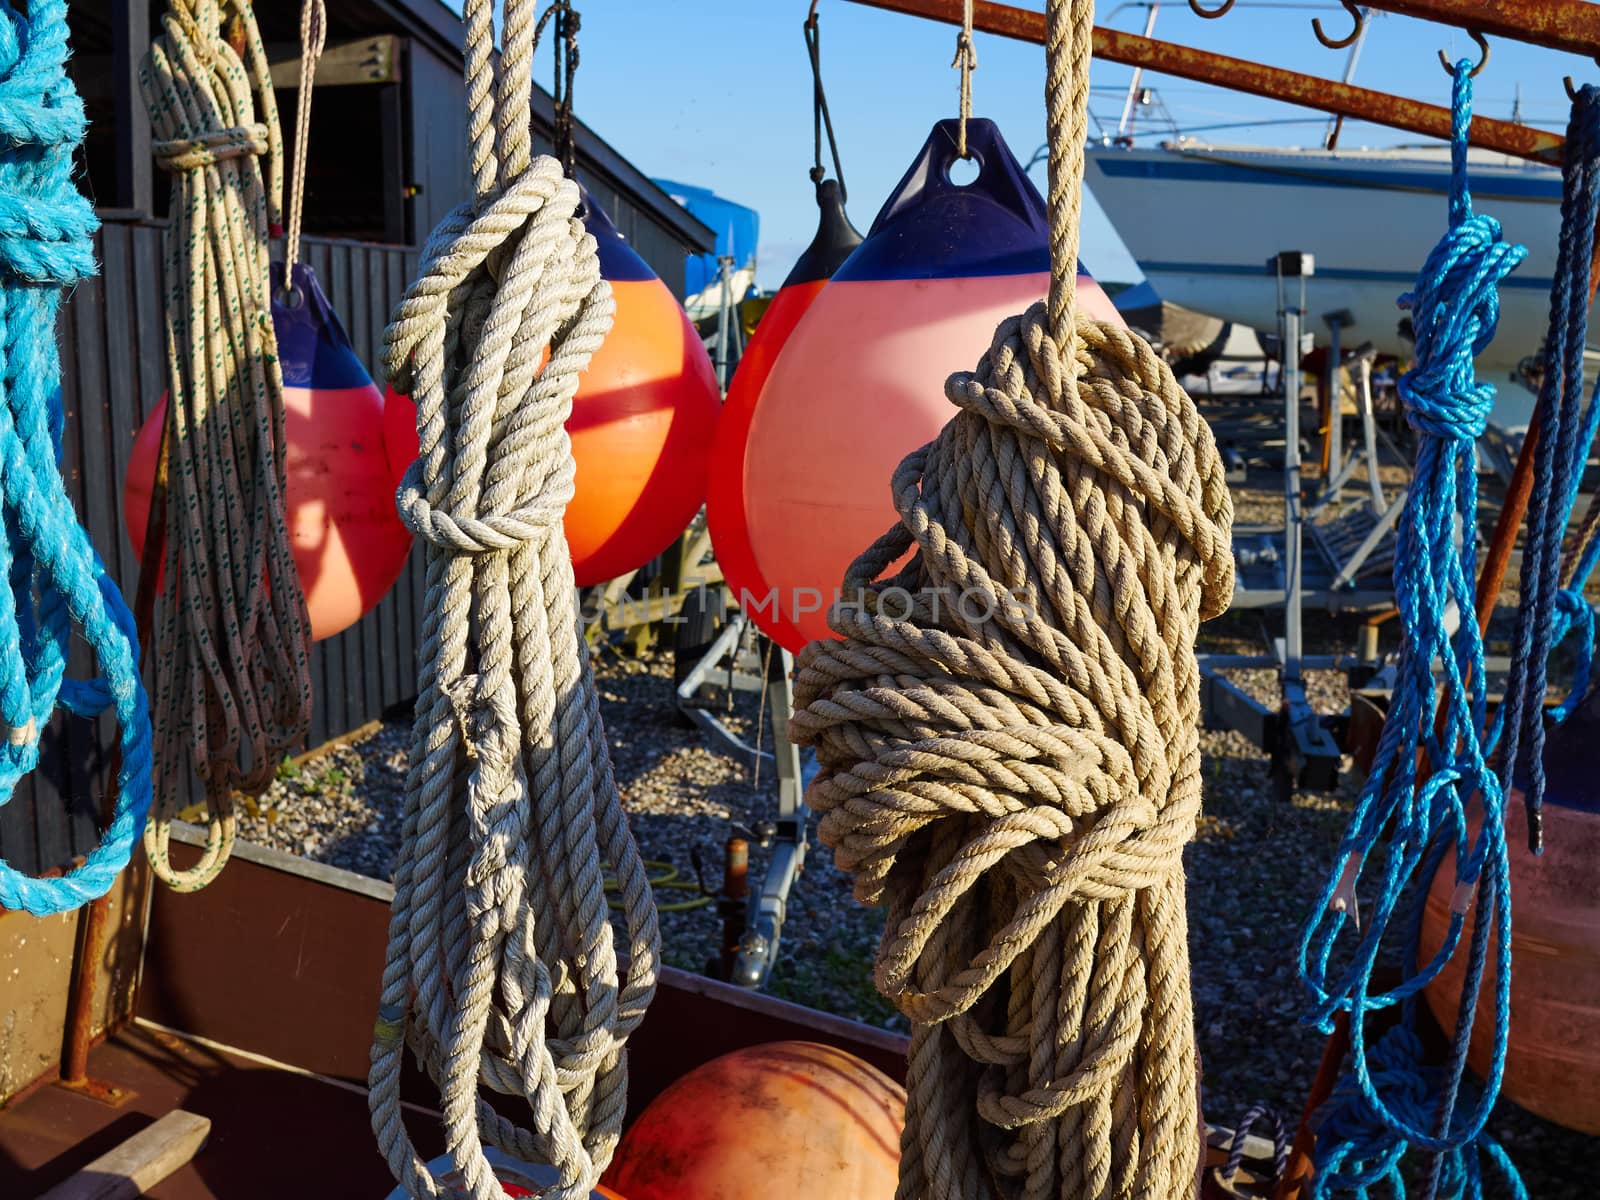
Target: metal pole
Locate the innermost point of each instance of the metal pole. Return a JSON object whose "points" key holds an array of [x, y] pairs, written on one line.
{"points": [[1293, 532], [1335, 403], [80, 1000], [1138, 77]]}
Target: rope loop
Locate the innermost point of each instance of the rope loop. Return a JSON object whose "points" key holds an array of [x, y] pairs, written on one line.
{"points": [[1404, 824], [54, 585], [233, 684], [503, 968], [1554, 575]]}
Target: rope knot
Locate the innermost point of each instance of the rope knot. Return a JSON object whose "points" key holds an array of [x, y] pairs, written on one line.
{"points": [[46, 227], [471, 531], [207, 150], [1455, 308]]}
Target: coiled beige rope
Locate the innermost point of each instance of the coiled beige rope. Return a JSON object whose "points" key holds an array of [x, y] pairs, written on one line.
{"points": [[1008, 749], [502, 971], [233, 672]]}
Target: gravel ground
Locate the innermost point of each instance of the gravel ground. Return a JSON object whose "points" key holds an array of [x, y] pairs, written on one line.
{"points": [[1253, 871]]}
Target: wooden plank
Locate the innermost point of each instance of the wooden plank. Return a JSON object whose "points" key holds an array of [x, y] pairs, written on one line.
{"points": [[130, 24], [66, 818], [392, 124], [379, 303], [139, 1163], [365, 60]]}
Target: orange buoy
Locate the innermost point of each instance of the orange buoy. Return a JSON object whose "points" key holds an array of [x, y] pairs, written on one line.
{"points": [[860, 381], [1552, 1063], [349, 545], [641, 425], [835, 239], [784, 1121]]}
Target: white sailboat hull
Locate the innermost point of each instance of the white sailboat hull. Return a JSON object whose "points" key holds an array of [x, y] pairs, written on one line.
{"points": [[1202, 223]]}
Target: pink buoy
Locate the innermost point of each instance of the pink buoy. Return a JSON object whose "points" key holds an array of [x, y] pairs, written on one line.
{"points": [[835, 240], [860, 382], [349, 545]]}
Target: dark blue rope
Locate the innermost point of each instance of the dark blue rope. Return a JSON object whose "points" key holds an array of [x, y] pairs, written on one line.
{"points": [[56, 579], [1547, 612], [1403, 826]]}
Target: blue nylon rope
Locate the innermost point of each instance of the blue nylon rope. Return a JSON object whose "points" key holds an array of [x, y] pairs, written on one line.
{"points": [[57, 581], [1389, 1101], [1547, 612]]}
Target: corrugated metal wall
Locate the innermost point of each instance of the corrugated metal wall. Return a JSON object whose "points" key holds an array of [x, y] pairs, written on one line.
{"points": [[113, 372]]}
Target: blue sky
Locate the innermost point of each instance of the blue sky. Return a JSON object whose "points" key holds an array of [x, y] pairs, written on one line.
{"points": [[717, 93]]}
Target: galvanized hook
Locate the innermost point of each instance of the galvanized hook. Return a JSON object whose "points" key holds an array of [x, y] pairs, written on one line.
{"points": [[1357, 14], [1483, 55], [1210, 14]]}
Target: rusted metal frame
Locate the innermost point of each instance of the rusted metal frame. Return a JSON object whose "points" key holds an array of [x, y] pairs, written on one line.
{"points": [[1570, 25], [1258, 79], [80, 1003]]}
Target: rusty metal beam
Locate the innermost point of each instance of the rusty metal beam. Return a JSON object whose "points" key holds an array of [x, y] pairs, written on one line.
{"points": [[1241, 75], [1570, 25]]}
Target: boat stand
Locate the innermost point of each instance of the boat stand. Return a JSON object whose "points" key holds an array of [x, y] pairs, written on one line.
{"points": [[1360, 540], [1272, 570], [733, 655]]}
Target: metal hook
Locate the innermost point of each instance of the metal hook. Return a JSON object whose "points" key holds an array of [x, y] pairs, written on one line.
{"points": [[1572, 91], [1483, 56], [1357, 14], [1210, 14]]}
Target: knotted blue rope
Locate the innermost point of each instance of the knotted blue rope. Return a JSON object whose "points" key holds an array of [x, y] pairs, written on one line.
{"points": [[1390, 1101], [1548, 612], [57, 581]]}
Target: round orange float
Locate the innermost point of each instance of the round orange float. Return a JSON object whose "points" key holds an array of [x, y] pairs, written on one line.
{"points": [[349, 545], [835, 239], [784, 1121], [860, 381], [641, 424], [1553, 1057]]}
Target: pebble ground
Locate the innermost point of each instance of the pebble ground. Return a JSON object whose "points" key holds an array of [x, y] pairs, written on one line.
{"points": [[1253, 870]]}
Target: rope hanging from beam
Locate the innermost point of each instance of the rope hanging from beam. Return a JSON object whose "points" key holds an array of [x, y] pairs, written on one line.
{"points": [[1016, 777]]}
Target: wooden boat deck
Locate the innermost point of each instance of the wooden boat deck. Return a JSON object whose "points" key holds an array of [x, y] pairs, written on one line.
{"points": [[274, 1132]]}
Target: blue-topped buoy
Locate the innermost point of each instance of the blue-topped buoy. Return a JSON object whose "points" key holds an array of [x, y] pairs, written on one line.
{"points": [[860, 382], [349, 545]]}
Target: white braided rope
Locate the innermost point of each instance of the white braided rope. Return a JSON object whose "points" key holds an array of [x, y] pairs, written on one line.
{"points": [[502, 971]]}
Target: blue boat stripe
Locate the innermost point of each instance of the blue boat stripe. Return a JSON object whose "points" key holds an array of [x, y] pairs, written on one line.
{"points": [[1404, 278], [1196, 169]]}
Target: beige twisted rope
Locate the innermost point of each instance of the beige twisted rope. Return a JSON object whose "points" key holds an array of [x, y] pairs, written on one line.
{"points": [[313, 38], [502, 972], [1007, 738], [233, 675]]}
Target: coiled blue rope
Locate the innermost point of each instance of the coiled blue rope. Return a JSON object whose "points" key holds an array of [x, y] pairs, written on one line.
{"points": [[1390, 1102], [1548, 612], [57, 581]]}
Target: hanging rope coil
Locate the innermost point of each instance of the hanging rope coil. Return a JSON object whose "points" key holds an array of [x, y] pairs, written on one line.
{"points": [[56, 580], [1552, 604], [1403, 825], [233, 681], [1008, 746], [502, 970]]}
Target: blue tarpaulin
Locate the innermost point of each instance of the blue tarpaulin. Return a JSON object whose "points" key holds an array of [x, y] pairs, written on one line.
{"points": [[736, 226]]}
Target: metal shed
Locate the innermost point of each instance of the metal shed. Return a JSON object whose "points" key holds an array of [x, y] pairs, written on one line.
{"points": [[387, 161]]}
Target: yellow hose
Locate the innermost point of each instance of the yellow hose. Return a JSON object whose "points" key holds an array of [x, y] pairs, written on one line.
{"points": [[667, 879]]}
